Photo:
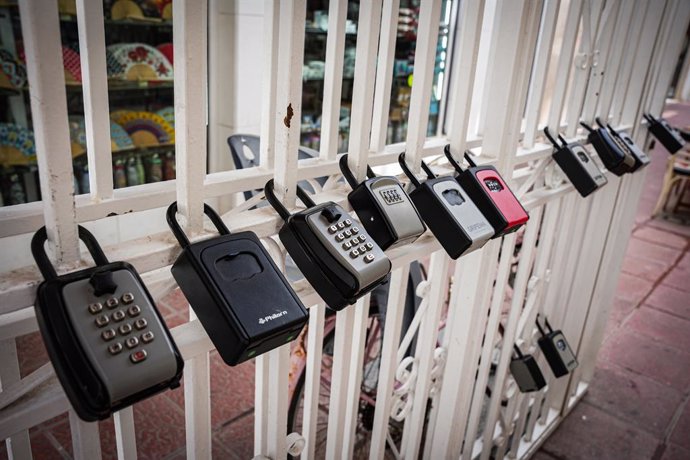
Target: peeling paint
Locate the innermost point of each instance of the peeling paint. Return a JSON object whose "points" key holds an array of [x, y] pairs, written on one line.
{"points": [[288, 117]]}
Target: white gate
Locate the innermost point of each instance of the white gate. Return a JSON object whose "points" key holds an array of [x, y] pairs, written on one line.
{"points": [[517, 66]]}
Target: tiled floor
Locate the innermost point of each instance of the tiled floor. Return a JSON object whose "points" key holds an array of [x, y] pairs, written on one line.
{"points": [[636, 408], [638, 405]]}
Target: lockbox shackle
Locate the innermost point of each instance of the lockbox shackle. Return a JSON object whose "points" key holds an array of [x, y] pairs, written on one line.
{"points": [[46, 267], [548, 135], [586, 126], [517, 350], [278, 206], [546, 321], [347, 173], [600, 123], [408, 173], [171, 217]]}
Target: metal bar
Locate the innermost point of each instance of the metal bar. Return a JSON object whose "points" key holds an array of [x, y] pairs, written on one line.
{"points": [[197, 407], [94, 77], [86, 442], [19, 445], [125, 434], [312, 380], [41, 35], [333, 79], [270, 83]]}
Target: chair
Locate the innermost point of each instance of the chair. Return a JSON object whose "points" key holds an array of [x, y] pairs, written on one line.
{"points": [[675, 185]]}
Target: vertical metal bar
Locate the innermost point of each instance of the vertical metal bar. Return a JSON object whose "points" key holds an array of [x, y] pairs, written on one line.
{"points": [[270, 82], [333, 78], [424, 354], [354, 378], [565, 64], [369, 25], [289, 98], [197, 405], [91, 28], [464, 71], [18, 446], [86, 442], [384, 74], [423, 77], [389, 351], [189, 42], [541, 65], [125, 434], [277, 404], [42, 45], [312, 381]]}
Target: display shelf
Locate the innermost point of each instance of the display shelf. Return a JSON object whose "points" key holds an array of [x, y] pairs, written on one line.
{"points": [[66, 19]]}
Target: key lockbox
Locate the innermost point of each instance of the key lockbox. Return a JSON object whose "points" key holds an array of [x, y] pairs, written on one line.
{"points": [[454, 219], [338, 258], [577, 165], [614, 156], [665, 133], [526, 372], [491, 194], [383, 207], [240, 296], [556, 350], [105, 338], [626, 142]]}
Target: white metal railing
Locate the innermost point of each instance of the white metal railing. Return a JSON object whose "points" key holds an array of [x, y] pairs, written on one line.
{"points": [[518, 65]]}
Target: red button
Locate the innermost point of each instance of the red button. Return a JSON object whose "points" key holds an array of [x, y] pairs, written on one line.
{"points": [[138, 356]]}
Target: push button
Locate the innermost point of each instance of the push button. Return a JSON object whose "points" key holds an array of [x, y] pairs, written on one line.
{"points": [[369, 258], [141, 323], [95, 308], [132, 342], [102, 320], [332, 229], [354, 253], [362, 237], [127, 298], [355, 230], [348, 222], [362, 249], [138, 356], [112, 302], [355, 240], [339, 237], [341, 225], [125, 329], [115, 348], [348, 233], [108, 334], [134, 310], [147, 337], [118, 315], [369, 246], [347, 245]]}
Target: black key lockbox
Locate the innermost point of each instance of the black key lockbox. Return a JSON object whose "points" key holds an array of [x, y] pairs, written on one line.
{"points": [[108, 343], [340, 260], [454, 219], [244, 302], [556, 350], [626, 142], [578, 166], [384, 208], [491, 194], [665, 133], [526, 372], [614, 156]]}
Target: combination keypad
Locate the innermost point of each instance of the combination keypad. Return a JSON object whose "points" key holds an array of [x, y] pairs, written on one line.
{"points": [[130, 332], [352, 241]]}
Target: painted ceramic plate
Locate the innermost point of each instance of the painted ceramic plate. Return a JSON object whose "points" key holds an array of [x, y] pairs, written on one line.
{"points": [[140, 62], [12, 72]]}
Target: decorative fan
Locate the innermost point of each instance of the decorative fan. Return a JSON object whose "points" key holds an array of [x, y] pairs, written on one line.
{"points": [[142, 10], [12, 71], [17, 146], [145, 128], [168, 114], [140, 62], [167, 50], [72, 65]]}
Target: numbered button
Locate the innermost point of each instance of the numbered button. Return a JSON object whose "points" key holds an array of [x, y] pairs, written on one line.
{"points": [[362, 237], [347, 246], [115, 348], [354, 253], [369, 246], [362, 249], [355, 230], [147, 337], [118, 315], [339, 237], [125, 329], [348, 222], [95, 308], [369, 258], [134, 310], [348, 233], [132, 342], [108, 334], [102, 321], [332, 229], [138, 356], [127, 298], [141, 323], [341, 225]]}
